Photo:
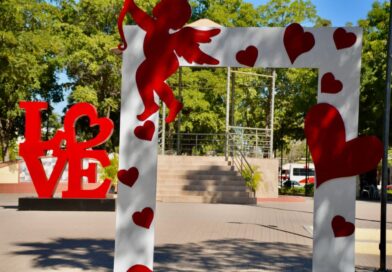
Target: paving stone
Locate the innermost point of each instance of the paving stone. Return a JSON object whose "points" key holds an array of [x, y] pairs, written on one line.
{"points": [[273, 236]]}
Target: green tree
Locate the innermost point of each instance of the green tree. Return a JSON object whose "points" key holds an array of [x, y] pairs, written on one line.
{"points": [[89, 32], [375, 33], [285, 12], [296, 93], [28, 50], [228, 13]]}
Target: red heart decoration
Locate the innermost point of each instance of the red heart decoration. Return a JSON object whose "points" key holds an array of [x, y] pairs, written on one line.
{"points": [[296, 41], [330, 85], [143, 218], [333, 157], [146, 131], [248, 56], [128, 177], [342, 228], [139, 268], [343, 39]]}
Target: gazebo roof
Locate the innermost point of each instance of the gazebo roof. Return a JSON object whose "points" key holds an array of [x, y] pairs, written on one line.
{"points": [[204, 22]]}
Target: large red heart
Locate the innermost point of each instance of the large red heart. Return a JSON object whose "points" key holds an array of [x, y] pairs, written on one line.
{"points": [[139, 268], [128, 177], [143, 218], [343, 39], [330, 85], [146, 131], [248, 56], [333, 157], [296, 41], [342, 228]]}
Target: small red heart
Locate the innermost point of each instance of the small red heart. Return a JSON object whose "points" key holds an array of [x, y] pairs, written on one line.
{"points": [[296, 41], [330, 85], [333, 157], [146, 131], [143, 218], [139, 268], [128, 177], [343, 39], [248, 56], [342, 228]]}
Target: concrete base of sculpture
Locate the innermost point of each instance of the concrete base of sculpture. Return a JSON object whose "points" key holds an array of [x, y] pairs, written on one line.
{"points": [[64, 204]]}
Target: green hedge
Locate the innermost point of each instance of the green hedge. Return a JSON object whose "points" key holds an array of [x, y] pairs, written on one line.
{"points": [[307, 190]]}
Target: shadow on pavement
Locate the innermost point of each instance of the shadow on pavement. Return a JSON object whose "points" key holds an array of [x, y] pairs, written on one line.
{"points": [[10, 207], [271, 227], [213, 255], [86, 254], [299, 211], [233, 255]]}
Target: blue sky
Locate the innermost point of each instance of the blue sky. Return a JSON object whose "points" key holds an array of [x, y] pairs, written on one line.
{"points": [[338, 11]]}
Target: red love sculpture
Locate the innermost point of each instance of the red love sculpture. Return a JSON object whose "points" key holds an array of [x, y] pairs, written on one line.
{"points": [[342, 228], [333, 156], [143, 218], [344, 39], [74, 152], [248, 56], [297, 41]]}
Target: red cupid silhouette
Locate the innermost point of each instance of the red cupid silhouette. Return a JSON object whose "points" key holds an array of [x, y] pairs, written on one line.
{"points": [[161, 48]]}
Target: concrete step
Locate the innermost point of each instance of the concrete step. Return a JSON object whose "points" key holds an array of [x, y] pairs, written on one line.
{"points": [[169, 158], [195, 167], [186, 179], [202, 187], [205, 199], [225, 194], [184, 176], [200, 182], [220, 194], [199, 172]]}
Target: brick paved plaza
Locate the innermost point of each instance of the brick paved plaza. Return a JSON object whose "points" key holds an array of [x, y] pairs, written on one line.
{"points": [[273, 236]]}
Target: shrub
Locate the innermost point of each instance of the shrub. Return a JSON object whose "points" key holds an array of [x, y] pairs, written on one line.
{"points": [[309, 189], [306, 190], [252, 178], [110, 171]]}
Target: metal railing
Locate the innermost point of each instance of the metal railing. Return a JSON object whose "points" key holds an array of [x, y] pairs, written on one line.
{"points": [[194, 144], [238, 158], [251, 142]]}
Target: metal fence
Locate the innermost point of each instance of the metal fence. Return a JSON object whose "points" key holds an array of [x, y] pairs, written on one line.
{"points": [[251, 142]]}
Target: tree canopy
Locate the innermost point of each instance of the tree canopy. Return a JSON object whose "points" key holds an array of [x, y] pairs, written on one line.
{"points": [[40, 39], [373, 76], [30, 52]]}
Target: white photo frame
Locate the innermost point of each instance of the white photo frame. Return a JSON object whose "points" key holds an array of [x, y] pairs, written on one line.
{"points": [[134, 244]]}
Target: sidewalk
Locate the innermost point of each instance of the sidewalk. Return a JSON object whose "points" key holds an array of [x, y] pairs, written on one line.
{"points": [[273, 236]]}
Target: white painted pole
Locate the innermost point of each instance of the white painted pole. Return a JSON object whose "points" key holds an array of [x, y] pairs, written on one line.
{"points": [[163, 139], [227, 112], [272, 114]]}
